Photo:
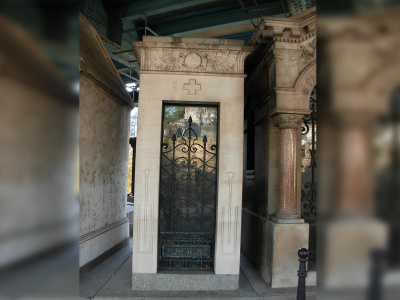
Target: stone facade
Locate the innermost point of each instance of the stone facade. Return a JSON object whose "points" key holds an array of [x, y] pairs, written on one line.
{"points": [[282, 75], [207, 71]]}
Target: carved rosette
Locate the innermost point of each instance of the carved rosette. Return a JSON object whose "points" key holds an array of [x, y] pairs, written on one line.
{"points": [[288, 121], [172, 57]]}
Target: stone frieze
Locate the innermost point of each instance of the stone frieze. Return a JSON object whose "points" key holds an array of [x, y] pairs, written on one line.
{"points": [[192, 60]]}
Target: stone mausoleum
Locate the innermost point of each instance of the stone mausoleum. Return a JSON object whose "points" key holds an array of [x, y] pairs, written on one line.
{"points": [[188, 187]]}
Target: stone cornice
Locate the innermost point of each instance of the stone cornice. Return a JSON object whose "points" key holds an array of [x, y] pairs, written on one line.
{"points": [[197, 74], [293, 30], [190, 55], [116, 97]]}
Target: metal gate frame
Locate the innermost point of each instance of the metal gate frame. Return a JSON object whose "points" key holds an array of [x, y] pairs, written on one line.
{"points": [[188, 250]]}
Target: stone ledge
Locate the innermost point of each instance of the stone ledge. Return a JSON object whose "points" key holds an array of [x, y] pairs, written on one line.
{"points": [[95, 243], [90, 235], [191, 73], [184, 281], [162, 41]]}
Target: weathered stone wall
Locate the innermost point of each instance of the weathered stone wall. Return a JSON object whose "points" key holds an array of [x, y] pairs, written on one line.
{"points": [[104, 120], [103, 156]]}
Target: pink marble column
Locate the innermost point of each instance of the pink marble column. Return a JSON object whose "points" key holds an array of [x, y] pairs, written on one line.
{"points": [[287, 211]]}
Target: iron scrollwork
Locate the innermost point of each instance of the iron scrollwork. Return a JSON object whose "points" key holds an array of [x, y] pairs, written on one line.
{"points": [[309, 187], [188, 188]]}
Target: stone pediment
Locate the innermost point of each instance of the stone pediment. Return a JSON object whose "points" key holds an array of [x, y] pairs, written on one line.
{"points": [[192, 55]]}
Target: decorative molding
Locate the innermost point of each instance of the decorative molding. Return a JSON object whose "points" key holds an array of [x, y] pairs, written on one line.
{"points": [[192, 60], [230, 218], [295, 40], [309, 84], [309, 55], [90, 235], [307, 77], [295, 29], [229, 237], [192, 87], [146, 184], [146, 225], [146, 221], [199, 73], [187, 56], [288, 121]]}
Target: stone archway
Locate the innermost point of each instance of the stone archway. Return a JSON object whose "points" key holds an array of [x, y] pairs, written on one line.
{"points": [[305, 82]]}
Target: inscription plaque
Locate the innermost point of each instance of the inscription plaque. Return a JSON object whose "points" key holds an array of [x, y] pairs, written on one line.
{"points": [[189, 251]]}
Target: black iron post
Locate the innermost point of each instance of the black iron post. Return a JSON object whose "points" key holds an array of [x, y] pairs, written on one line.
{"points": [[302, 274], [132, 142], [375, 285]]}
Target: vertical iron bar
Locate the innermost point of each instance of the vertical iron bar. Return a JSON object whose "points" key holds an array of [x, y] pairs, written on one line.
{"points": [[313, 162], [132, 142], [375, 285], [172, 187], [145, 24], [284, 10], [259, 10], [202, 193], [245, 10], [187, 183], [302, 274]]}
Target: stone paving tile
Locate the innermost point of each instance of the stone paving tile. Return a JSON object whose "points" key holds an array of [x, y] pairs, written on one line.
{"points": [[111, 280], [92, 282]]}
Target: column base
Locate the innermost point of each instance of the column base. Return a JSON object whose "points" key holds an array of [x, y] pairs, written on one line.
{"points": [[349, 243], [286, 218], [281, 259]]}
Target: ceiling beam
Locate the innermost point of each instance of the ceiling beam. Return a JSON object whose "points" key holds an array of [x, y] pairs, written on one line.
{"points": [[219, 30], [127, 75], [213, 19], [139, 8]]}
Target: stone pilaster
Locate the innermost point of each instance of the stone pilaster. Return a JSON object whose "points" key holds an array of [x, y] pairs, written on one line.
{"points": [[287, 211]]}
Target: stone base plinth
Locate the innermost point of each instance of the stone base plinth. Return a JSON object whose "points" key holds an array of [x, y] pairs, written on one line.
{"points": [[283, 242], [184, 281], [348, 244], [95, 243]]}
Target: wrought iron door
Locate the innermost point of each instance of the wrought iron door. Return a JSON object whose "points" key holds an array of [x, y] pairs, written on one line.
{"points": [[188, 187]]}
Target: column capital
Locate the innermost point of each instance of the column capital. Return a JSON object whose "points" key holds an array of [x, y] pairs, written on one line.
{"points": [[286, 121]]}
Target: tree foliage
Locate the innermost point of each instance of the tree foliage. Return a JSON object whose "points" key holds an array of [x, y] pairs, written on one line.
{"points": [[174, 113]]}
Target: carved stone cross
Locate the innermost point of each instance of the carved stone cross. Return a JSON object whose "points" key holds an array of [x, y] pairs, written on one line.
{"points": [[192, 87]]}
